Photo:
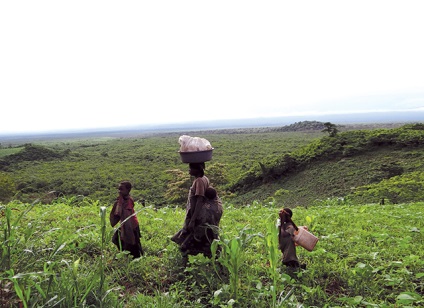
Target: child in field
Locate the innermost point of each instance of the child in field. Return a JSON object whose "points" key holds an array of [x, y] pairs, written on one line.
{"points": [[127, 236], [285, 238]]}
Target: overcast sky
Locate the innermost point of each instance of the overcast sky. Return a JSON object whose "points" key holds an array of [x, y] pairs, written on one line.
{"points": [[91, 64]]}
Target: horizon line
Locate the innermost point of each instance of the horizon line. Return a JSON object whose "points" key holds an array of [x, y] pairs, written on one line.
{"points": [[208, 124]]}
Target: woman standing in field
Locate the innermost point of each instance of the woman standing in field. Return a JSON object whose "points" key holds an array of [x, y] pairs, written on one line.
{"points": [[285, 238], [127, 236], [203, 213]]}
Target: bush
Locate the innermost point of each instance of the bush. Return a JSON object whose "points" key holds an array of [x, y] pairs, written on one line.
{"points": [[398, 189], [7, 187]]}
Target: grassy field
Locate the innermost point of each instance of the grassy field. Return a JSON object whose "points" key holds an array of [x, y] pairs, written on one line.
{"points": [[60, 255], [8, 151], [56, 248]]}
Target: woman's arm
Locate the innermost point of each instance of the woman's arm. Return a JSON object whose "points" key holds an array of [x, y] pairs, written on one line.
{"points": [[290, 229]]}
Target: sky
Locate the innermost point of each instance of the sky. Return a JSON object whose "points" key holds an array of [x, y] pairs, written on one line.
{"points": [[94, 64]]}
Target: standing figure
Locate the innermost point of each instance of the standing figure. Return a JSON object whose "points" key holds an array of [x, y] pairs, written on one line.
{"points": [[203, 213], [285, 238], [127, 236]]}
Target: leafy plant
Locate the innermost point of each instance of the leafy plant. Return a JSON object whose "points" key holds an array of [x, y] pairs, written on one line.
{"points": [[274, 258], [7, 187], [61, 255], [232, 256]]}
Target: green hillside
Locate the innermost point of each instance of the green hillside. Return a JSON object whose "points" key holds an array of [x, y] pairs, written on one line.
{"points": [[294, 165], [93, 167], [363, 165]]}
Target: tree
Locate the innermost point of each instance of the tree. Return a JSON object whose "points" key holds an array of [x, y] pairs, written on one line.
{"points": [[330, 128]]}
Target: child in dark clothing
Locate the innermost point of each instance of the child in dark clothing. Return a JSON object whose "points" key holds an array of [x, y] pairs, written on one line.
{"points": [[127, 237], [287, 246]]}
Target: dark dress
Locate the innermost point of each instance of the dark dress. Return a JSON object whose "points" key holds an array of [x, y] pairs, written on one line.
{"points": [[206, 224], [287, 245], [127, 236]]}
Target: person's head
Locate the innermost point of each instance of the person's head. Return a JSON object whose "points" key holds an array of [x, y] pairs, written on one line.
{"points": [[210, 193], [197, 169], [124, 188], [285, 214]]}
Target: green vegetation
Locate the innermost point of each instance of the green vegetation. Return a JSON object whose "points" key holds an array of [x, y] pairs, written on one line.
{"points": [[296, 167], [337, 166], [92, 168], [331, 129], [358, 190], [398, 189], [7, 186], [60, 255], [9, 151]]}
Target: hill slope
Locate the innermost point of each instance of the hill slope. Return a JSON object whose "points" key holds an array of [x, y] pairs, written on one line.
{"points": [[295, 165], [339, 167]]}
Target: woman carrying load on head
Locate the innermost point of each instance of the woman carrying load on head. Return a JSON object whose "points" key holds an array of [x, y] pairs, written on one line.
{"points": [[203, 213]]}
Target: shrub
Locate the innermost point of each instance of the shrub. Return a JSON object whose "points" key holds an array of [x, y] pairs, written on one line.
{"points": [[7, 187], [398, 189]]}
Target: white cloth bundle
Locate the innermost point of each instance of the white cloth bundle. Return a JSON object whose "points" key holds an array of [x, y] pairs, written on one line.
{"points": [[193, 144]]}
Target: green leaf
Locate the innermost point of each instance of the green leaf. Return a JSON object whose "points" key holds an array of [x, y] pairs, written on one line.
{"points": [[217, 293], [357, 299], [75, 267], [407, 298]]}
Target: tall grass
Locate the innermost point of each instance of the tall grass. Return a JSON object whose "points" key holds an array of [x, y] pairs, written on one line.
{"points": [[46, 275], [274, 258], [61, 255]]}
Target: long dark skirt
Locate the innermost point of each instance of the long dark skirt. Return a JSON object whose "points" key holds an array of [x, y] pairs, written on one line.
{"points": [[288, 248], [135, 250], [198, 241]]}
